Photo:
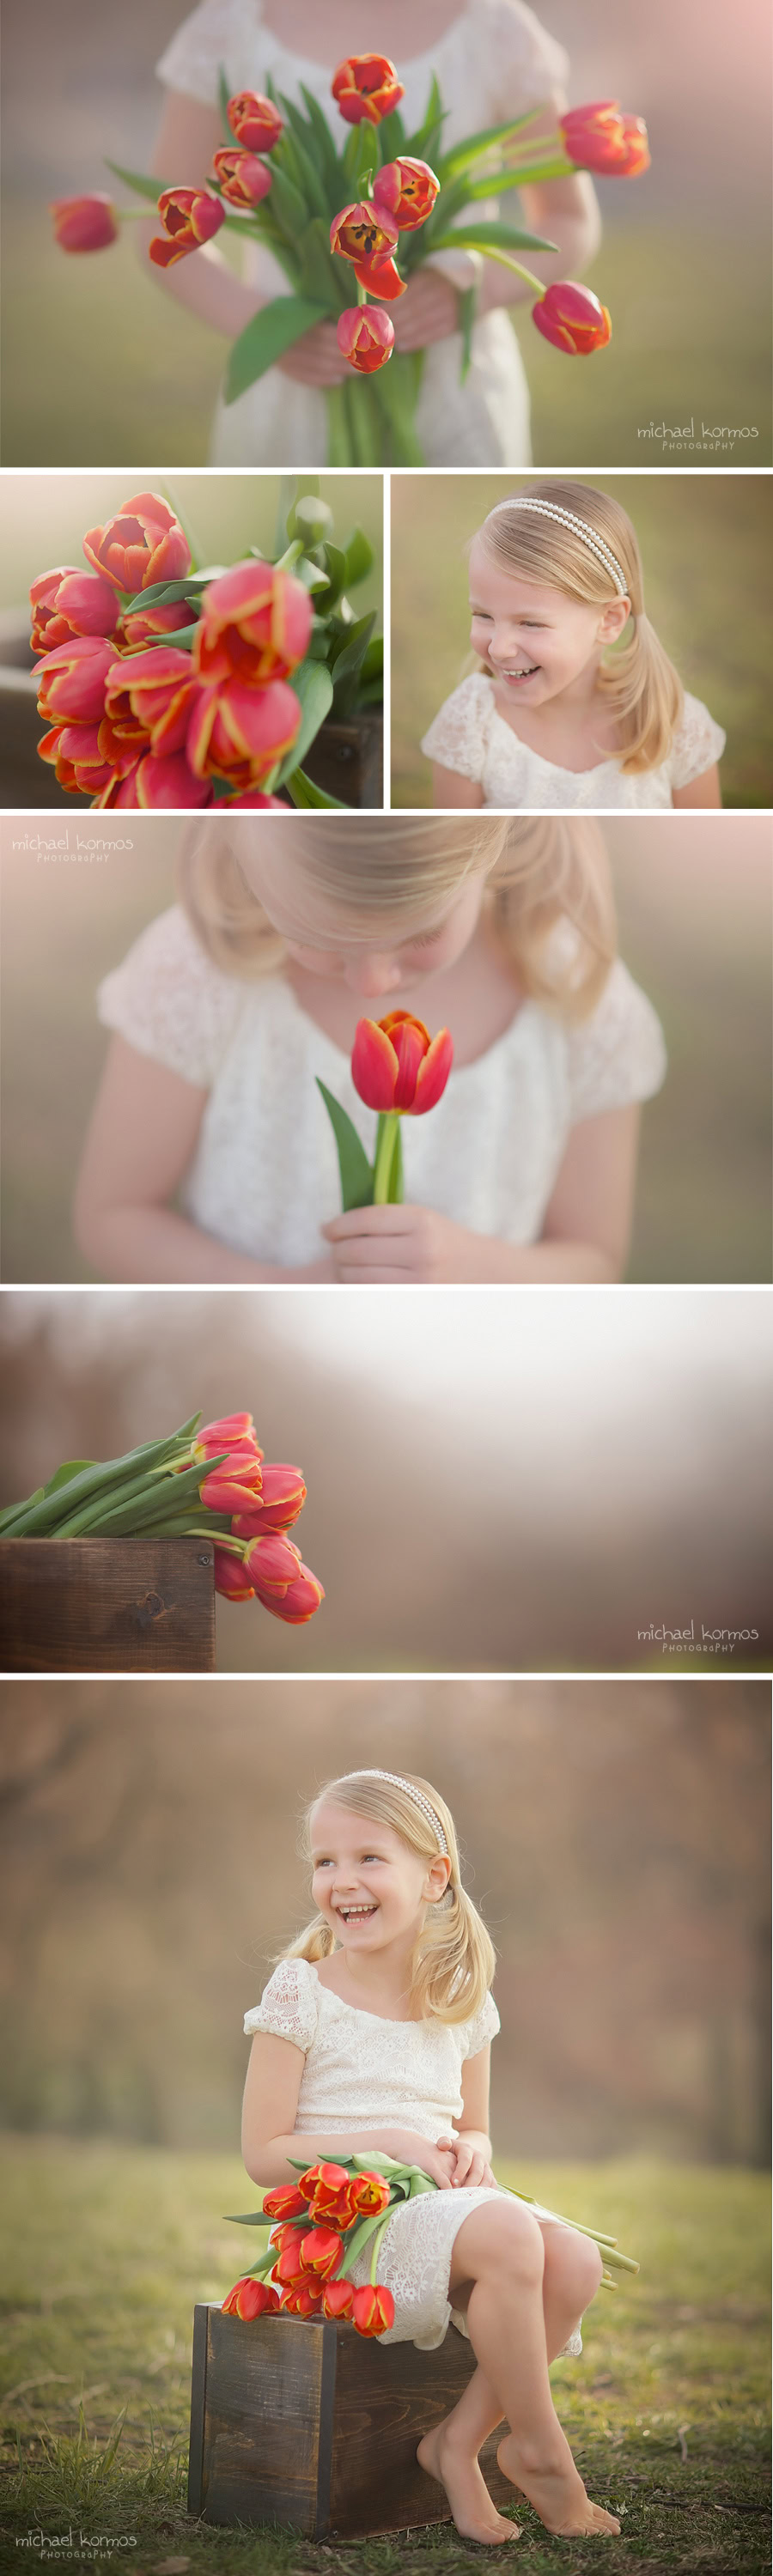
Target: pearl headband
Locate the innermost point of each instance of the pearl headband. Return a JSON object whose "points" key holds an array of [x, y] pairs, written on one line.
{"points": [[416, 1795], [579, 528]]}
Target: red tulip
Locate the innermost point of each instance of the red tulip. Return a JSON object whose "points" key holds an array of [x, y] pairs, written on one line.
{"points": [[228, 1431], [157, 688], [366, 86], [294, 1599], [254, 121], [158, 783], [288, 2234], [67, 602], [365, 336], [144, 543], [369, 2192], [321, 2252], [408, 190], [285, 2201], [373, 2309], [73, 751], [244, 180], [239, 733], [84, 223], [141, 626], [250, 2298], [231, 1485], [302, 2299], [573, 319], [189, 216], [122, 743], [278, 1504], [602, 138], [363, 233], [73, 678], [288, 2268], [385, 280], [322, 2181], [337, 2299], [397, 1066], [254, 625], [230, 1579]]}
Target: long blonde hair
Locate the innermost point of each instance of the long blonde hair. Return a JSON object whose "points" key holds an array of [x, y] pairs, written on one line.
{"points": [[640, 685], [540, 877], [453, 1960]]}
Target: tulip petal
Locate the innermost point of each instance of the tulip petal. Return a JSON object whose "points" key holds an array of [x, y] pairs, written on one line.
{"points": [[433, 1072], [374, 1066]]}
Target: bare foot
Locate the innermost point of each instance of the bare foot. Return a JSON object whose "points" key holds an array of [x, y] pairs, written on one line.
{"points": [[557, 2494], [475, 2516]]}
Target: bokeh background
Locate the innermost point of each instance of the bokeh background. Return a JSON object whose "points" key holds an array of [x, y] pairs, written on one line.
{"points": [[99, 367], [695, 904], [622, 1446], [705, 541]]}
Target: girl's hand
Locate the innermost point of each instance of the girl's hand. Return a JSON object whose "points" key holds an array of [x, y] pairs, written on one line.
{"points": [[470, 2170], [316, 359], [438, 2162], [429, 310], [389, 1246]]}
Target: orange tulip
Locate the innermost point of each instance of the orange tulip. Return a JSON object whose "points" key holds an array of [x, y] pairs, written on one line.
{"points": [[320, 2251], [366, 337], [285, 2201], [243, 178], [250, 2298], [67, 602], [254, 121], [408, 190], [604, 139], [573, 319], [397, 1066], [143, 544], [385, 280], [157, 688], [189, 216], [364, 233], [72, 679], [337, 2299], [254, 625], [373, 2309], [302, 2299], [278, 1504], [239, 733], [322, 2181], [366, 86]]}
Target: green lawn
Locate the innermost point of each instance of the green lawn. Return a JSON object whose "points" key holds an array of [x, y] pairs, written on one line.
{"points": [[108, 2248]]}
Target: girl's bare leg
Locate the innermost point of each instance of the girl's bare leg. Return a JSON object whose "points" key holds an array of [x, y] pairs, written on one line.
{"points": [[450, 2454]]}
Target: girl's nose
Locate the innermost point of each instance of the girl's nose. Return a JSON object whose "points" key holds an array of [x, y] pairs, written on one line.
{"points": [[371, 976]]}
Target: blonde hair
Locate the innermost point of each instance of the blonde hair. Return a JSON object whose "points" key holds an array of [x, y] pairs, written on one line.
{"points": [[639, 684], [539, 875], [453, 1960]]}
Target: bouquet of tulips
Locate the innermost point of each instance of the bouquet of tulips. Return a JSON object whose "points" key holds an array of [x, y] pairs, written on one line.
{"points": [[321, 2224], [164, 686], [209, 1482], [400, 1071], [334, 218]]}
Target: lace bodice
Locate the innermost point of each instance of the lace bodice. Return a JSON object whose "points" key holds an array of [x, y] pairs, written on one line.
{"points": [[264, 1176], [364, 2073], [470, 736]]}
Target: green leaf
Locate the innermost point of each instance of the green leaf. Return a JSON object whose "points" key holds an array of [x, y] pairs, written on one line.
{"points": [[358, 557], [328, 157], [289, 209], [313, 685], [373, 662], [71, 1467], [468, 307], [270, 332], [224, 93], [180, 635], [310, 574], [481, 236], [392, 136], [300, 148], [336, 570], [321, 274], [348, 665], [136, 179], [304, 794], [499, 180], [250, 2218], [462, 155], [171, 590], [356, 1172], [424, 143]]}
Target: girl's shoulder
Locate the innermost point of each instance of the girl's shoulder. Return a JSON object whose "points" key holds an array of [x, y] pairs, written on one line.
{"points": [[479, 2031], [459, 734], [219, 32], [618, 1054], [697, 743], [171, 1002], [289, 2005]]}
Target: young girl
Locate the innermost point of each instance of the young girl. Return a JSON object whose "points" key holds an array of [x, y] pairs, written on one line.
{"points": [[375, 2031], [291, 929], [493, 61], [554, 716]]}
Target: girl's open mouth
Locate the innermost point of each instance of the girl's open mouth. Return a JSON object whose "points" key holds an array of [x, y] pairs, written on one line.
{"points": [[355, 1913], [524, 672]]}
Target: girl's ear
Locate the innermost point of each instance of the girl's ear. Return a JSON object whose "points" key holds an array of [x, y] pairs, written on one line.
{"points": [[437, 1878], [613, 619]]}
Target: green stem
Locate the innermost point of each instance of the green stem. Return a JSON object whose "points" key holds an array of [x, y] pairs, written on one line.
{"points": [[385, 1153]]}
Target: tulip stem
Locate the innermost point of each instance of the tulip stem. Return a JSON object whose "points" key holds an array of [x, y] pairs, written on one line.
{"points": [[385, 1155], [362, 293]]}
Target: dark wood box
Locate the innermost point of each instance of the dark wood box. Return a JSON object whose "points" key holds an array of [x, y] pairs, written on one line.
{"points": [[312, 2425], [101, 1605]]}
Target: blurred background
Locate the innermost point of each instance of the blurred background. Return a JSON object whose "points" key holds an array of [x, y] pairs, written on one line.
{"points": [[705, 542], [622, 1445], [694, 898], [98, 365], [614, 1837], [43, 519]]}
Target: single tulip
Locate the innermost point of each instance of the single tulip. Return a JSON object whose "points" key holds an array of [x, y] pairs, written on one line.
{"points": [[321, 2252], [288, 2268], [364, 233], [220, 1438], [84, 223], [285, 2201], [397, 1066], [288, 2233], [74, 753], [122, 743], [141, 626], [143, 544], [366, 86], [250, 2299], [302, 2299], [230, 1579], [366, 337], [290, 1592], [67, 602], [155, 784], [322, 2181], [385, 280], [157, 688], [278, 1504], [604, 139], [254, 121], [573, 319], [244, 180], [337, 2299], [189, 216], [254, 625], [369, 2192], [373, 2309], [239, 733], [408, 190], [231, 1485], [73, 679]]}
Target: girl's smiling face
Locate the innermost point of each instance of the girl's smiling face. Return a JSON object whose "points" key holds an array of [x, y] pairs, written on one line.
{"points": [[369, 1885], [372, 962], [536, 641]]}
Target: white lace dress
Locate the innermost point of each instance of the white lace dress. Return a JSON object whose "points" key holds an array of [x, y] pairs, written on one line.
{"points": [[264, 1174], [402, 2075], [470, 736], [495, 61]]}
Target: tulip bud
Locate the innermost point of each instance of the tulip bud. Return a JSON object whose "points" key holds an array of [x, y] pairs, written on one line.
{"points": [[73, 679], [239, 733], [282, 1582], [321, 2252], [254, 625], [141, 626], [603, 139], [364, 233], [285, 2201], [244, 180], [230, 1579], [254, 121], [250, 2299], [156, 784], [337, 2299], [408, 190], [157, 688], [278, 1504], [189, 216], [226, 1433], [397, 1066], [84, 223], [143, 544], [366, 86], [366, 337], [373, 2309], [67, 602], [573, 319], [74, 753]]}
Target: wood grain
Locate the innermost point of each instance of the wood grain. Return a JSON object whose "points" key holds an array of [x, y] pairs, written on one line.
{"points": [[107, 1605]]}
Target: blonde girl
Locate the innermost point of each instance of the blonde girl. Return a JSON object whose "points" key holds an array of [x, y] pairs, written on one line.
{"points": [[574, 701], [375, 2031], [209, 1155]]}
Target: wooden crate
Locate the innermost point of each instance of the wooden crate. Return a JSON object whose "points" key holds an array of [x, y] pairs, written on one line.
{"points": [[102, 1605], [309, 2424]]}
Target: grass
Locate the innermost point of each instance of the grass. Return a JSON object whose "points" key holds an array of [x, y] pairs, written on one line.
{"points": [[108, 2248]]}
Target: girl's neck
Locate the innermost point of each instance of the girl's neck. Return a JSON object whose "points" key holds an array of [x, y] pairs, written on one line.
{"points": [[377, 1981], [576, 728], [406, 28], [477, 998]]}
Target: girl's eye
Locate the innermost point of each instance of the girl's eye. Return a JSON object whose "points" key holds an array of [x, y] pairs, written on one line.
{"points": [[431, 940], [481, 616]]}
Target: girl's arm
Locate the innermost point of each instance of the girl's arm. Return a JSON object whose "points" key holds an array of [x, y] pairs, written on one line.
{"points": [[470, 2142], [143, 1131], [585, 1233], [563, 210], [269, 2138], [449, 788], [705, 790]]}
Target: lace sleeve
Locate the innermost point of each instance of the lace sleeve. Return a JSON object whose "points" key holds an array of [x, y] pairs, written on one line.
{"points": [[458, 734], [697, 742], [169, 1002], [527, 63], [215, 33], [619, 1055], [476, 2034], [288, 2005]]}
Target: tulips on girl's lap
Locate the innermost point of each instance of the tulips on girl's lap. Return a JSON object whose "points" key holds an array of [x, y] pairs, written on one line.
{"points": [[373, 2309], [250, 2299]]}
